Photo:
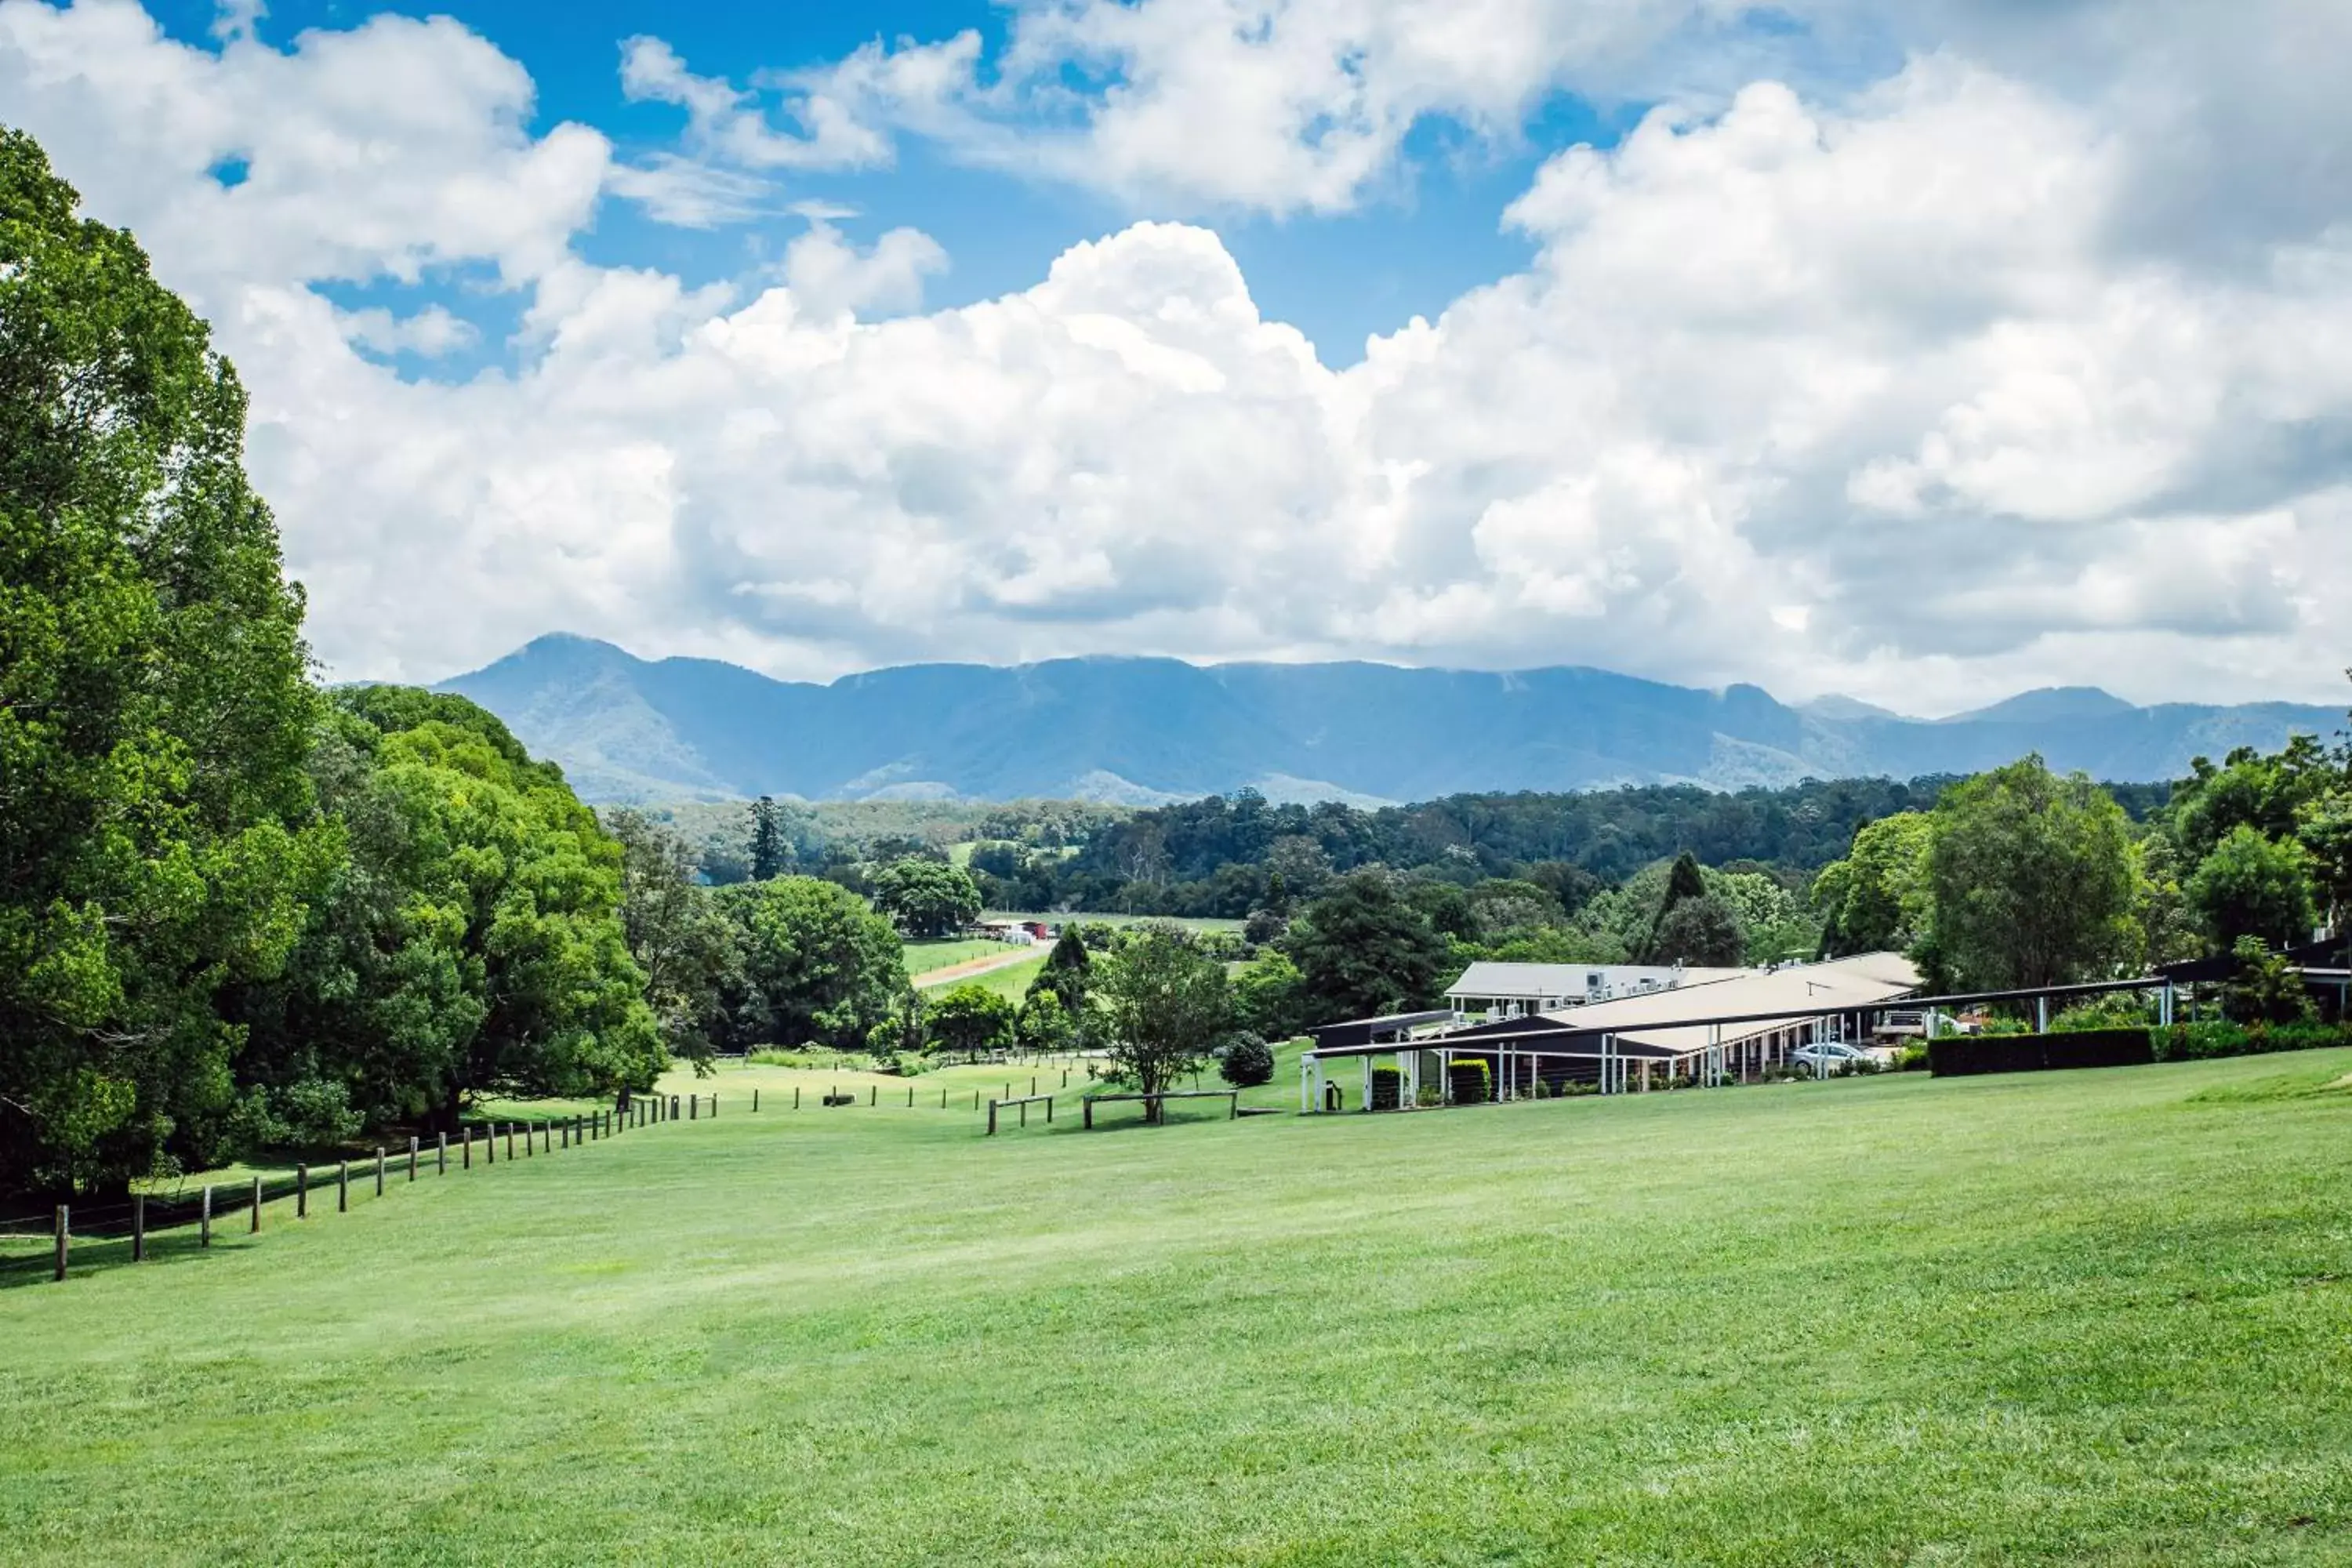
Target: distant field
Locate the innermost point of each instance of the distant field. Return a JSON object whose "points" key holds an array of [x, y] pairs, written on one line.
{"points": [[2090, 1317], [1011, 979], [925, 956], [1195, 922]]}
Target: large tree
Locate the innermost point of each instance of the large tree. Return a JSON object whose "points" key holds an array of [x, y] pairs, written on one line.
{"points": [[929, 898], [1877, 899], [1704, 931], [1165, 1007], [1362, 950], [156, 835], [677, 934], [476, 944], [2032, 878], [2252, 886], [819, 964]]}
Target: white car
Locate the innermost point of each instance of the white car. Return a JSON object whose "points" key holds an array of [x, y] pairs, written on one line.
{"points": [[1824, 1057]]}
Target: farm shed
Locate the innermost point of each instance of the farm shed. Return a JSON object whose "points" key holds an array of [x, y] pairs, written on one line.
{"points": [[1495, 990], [1710, 1032]]}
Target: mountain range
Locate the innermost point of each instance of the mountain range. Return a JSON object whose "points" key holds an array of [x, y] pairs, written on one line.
{"points": [[1143, 730]]}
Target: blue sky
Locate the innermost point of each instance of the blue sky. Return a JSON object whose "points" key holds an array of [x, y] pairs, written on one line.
{"points": [[1922, 350], [1434, 231]]}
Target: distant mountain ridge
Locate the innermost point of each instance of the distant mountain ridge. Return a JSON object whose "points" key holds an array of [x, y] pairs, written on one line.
{"points": [[1140, 730]]}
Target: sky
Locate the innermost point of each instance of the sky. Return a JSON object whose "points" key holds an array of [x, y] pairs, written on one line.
{"points": [[1923, 350]]}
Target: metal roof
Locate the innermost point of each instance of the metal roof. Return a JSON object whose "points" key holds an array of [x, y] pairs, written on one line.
{"points": [[1491, 977]]}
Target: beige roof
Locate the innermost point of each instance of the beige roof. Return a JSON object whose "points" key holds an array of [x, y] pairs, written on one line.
{"points": [[1788, 995]]}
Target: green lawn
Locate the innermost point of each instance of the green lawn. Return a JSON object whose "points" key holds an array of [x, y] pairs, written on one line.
{"points": [[924, 956], [2071, 1317]]}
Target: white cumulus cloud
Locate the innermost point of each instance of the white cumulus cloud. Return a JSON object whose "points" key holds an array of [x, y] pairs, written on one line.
{"points": [[1905, 387]]}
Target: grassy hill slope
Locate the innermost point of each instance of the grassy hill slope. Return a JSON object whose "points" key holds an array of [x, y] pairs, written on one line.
{"points": [[2081, 1318]]}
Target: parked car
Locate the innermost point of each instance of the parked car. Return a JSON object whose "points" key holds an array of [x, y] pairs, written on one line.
{"points": [[1824, 1057]]}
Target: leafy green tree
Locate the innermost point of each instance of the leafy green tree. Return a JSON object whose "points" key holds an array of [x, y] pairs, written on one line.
{"points": [[1068, 973], [2031, 876], [157, 841], [2252, 886], [472, 941], [1044, 1025], [1165, 1006], [1270, 995], [682, 940], [1704, 931], [767, 849], [927, 898], [971, 1020], [2267, 989], [1362, 952], [2168, 926], [1683, 880], [822, 965], [2323, 825], [2249, 790], [1877, 899], [1245, 1060]]}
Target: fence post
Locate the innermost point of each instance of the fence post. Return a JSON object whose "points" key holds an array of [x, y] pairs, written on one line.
{"points": [[714, 1106], [490, 1145], [796, 1097], [1049, 1113], [302, 1192], [943, 1099], [755, 1103], [693, 1107], [874, 1094], [441, 1151], [256, 1227], [975, 1099], [65, 1228], [530, 1139], [563, 1130], [412, 1157], [205, 1223], [138, 1227], [465, 1153], [910, 1097], [991, 1118], [1087, 1113], [673, 1108], [509, 1140], [379, 1170], [342, 1187]]}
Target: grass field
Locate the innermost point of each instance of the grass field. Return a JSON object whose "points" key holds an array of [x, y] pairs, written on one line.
{"points": [[2080, 1318]]}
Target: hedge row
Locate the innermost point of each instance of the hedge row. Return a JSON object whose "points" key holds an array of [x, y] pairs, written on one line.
{"points": [[2201, 1042], [1960, 1056], [1388, 1088]]}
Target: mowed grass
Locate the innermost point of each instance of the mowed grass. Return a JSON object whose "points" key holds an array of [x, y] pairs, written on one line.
{"points": [[2081, 1318]]}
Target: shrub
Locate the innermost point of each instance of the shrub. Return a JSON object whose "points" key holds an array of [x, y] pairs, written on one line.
{"points": [[1430, 1095], [1912, 1059], [1963, 1056], [1472, 1082], [1247, 1061], [2206, 1041], [1388, 1088]]}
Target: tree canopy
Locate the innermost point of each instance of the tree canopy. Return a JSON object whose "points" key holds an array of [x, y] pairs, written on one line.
{"points": [[1166, 1007], [928, 898], [2032, 879], [1362, 950], [157, 835]]}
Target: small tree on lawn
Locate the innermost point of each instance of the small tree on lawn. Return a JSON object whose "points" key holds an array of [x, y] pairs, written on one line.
{"points": [[1165, 1005], [971, 1019], [1247, 1061], [1068, 971], [1045, 1027]]}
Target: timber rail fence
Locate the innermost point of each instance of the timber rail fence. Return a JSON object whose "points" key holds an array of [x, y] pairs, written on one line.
{"points": [[34, 1242]]}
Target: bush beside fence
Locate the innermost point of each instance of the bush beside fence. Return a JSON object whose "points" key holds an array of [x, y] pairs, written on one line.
{"points": [[1961, 1056]]}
